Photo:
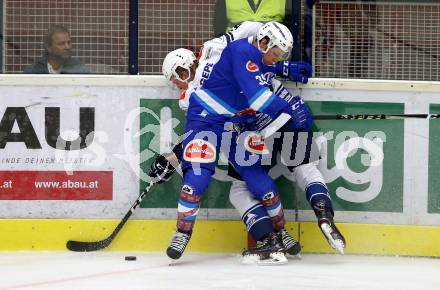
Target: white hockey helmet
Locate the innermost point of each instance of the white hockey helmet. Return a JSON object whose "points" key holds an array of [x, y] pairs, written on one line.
{"points": [[279, 35], [180, 57]]}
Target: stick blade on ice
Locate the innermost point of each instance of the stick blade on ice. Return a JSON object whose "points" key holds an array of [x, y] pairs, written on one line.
{"points": [[78, 246]]}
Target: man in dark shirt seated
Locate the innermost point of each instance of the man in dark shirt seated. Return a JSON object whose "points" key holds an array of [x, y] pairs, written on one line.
{"points": [[57, 57]]}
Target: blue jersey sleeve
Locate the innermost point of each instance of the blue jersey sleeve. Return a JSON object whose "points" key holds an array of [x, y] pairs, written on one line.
{"points": [[248, 71]]}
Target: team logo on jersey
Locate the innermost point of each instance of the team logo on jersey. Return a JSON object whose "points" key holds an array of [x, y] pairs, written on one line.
{"points": [[254, 143], [187, 189], [269, 196], [252, 67], [199, 150]]}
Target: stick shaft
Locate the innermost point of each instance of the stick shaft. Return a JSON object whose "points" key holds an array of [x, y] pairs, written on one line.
{"points": [[375, 116], [79, 246]]}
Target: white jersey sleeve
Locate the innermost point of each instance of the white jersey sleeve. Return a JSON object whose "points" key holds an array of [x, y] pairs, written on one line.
{"points": [[245, 30], [210, 54]]}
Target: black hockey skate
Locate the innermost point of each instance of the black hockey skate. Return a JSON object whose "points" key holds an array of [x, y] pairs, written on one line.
{"points": [[178, 245], [329, 229], [270, 251], [291, 245]]}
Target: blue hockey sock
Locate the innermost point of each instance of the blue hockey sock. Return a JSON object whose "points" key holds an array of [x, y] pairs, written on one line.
{"points": [[190, 198], [318, 196], [258, 223]]}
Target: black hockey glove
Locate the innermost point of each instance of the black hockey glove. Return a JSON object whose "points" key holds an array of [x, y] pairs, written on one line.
{"points": [[161, 170]]}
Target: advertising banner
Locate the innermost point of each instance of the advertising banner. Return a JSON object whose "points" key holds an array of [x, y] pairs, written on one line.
{"points": [[82, 149], [353, 144], [362, 159], [70, 151], [434, 162], [56, 185]]}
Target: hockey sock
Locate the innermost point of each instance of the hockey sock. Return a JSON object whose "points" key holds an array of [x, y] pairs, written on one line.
{"points": [[258, 223], [190, 197], [272, 203], [318, 196]]}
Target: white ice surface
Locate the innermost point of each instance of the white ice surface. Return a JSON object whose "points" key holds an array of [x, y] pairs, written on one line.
{"points": [[109, 271]]}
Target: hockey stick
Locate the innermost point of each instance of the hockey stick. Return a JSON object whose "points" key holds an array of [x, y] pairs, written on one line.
{"points": [[276, 124], [376, 117], [78, 246]]}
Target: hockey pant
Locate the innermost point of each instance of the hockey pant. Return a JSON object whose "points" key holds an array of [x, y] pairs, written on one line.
{"points": [[199, 156], [295, 148]]}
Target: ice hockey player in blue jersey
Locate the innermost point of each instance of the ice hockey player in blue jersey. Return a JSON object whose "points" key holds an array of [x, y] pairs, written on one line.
{"points": [[179, 67], [208, 113], [249, 204], [230, 70]]}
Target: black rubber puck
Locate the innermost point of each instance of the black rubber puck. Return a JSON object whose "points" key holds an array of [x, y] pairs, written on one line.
{"points": [[130, 258]]}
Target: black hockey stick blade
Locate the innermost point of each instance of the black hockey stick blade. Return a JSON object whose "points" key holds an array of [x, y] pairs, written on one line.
{"points": [[376, 116], [79, 246]]}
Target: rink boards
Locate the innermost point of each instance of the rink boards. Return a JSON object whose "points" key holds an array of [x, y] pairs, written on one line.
{"points": [[49, 195], [213, 236]]}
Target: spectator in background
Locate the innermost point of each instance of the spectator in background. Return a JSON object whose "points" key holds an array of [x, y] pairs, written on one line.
{"points": [[57, 57], [232, 12]]}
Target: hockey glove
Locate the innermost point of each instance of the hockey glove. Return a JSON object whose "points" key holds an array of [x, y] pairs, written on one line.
{"points": [[300, 114], [161, 170], [296, 71], [243, 121]]}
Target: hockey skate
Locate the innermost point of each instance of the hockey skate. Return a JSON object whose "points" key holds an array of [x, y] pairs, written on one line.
{"points": [[330, 231], [291, 245], [270, 251], [178, 245]]}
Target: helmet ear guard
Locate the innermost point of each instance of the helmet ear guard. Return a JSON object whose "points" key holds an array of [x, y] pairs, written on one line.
{"points": [[180, 57], [278, 34]]}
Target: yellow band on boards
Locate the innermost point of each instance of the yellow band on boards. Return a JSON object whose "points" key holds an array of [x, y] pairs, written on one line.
{"points": [[213, 236]]}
